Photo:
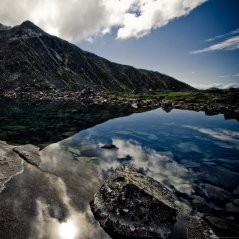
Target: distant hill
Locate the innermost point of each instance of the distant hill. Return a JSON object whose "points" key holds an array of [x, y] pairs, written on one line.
{"points": [[32, 60]]}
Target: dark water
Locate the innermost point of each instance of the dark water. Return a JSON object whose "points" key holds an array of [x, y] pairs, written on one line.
{"points": [[45, 122], [194, 155]]}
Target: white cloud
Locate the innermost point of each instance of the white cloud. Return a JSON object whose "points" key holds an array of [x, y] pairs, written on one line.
{"points": [[224, 76], [234, 32], [151, 14], [216, 85], [80, 20], [229, 44]]}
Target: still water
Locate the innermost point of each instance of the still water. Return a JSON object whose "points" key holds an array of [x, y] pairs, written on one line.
{"points": [[194, 155]]}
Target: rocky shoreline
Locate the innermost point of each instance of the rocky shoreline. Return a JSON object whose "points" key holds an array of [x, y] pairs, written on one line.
{"points": [[226, 103]]}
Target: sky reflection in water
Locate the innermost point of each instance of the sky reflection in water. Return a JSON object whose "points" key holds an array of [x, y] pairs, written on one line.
{"points": [[177, 149]]}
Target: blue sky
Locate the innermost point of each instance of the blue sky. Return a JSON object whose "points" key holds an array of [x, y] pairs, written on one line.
{"points": [[195, 41], [168, 49]]}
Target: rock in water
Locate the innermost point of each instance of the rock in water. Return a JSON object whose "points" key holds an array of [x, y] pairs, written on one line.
{"points": [[192, 227], [108, 146], [131, 205]]}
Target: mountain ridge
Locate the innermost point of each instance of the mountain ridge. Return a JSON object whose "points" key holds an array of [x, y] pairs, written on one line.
{"points": [[31, 59]]}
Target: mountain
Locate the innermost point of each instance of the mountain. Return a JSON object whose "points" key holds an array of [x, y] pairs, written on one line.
{"points": [[32, 60]]}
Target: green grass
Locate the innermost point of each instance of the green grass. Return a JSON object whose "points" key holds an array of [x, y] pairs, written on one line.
{"points": [[189, 97], [156, 95], [194, 97], [60, 71]]}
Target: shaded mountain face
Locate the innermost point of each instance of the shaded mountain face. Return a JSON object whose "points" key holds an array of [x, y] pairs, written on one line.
{"points": [[32, 60]]}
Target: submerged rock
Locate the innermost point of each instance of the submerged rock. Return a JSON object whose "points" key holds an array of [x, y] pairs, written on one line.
{"points": [[131, 205], [233, 207], [192, 227], [108, 146], [214, 193], [225, 227]]}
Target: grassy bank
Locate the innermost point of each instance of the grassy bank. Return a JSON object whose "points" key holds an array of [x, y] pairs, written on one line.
{"points": [[224, 96]]}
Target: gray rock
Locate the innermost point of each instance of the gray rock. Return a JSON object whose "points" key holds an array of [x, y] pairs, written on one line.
{"points": [[11, 160], [30, 153], [167, 105], [214, 193], [203, 206], [213, 175], [131, 205], [233, 207], [224, 226], [192, 227], [10, 164]]}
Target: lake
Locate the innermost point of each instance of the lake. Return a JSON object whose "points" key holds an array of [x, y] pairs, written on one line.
{"points": [[194, 155]]}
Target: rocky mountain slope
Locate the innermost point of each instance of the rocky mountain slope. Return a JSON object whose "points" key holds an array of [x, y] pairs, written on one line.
{"points": [[33, 60]]}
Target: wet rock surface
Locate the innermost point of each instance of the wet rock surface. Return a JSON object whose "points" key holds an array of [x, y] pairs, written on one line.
{"points": [[131, 205], [226, 228], [12, 158], [39, 202], [30, 153], [192, 227], [214, 193], [213, 175], [10, 163]]}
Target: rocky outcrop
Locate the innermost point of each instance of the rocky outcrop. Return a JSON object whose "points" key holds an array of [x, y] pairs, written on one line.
{"points": [[11, 160], [131, 205]]}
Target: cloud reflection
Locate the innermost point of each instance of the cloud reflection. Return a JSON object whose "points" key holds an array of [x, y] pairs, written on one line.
{"points": [[159, 165], [220, 134], [81, 167], [78, 225]]}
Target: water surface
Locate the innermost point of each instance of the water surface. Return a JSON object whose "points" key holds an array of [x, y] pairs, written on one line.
{"points": [[194, 155]]}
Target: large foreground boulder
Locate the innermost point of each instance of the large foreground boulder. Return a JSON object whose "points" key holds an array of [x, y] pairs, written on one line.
{"points": [[131, 205]]}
